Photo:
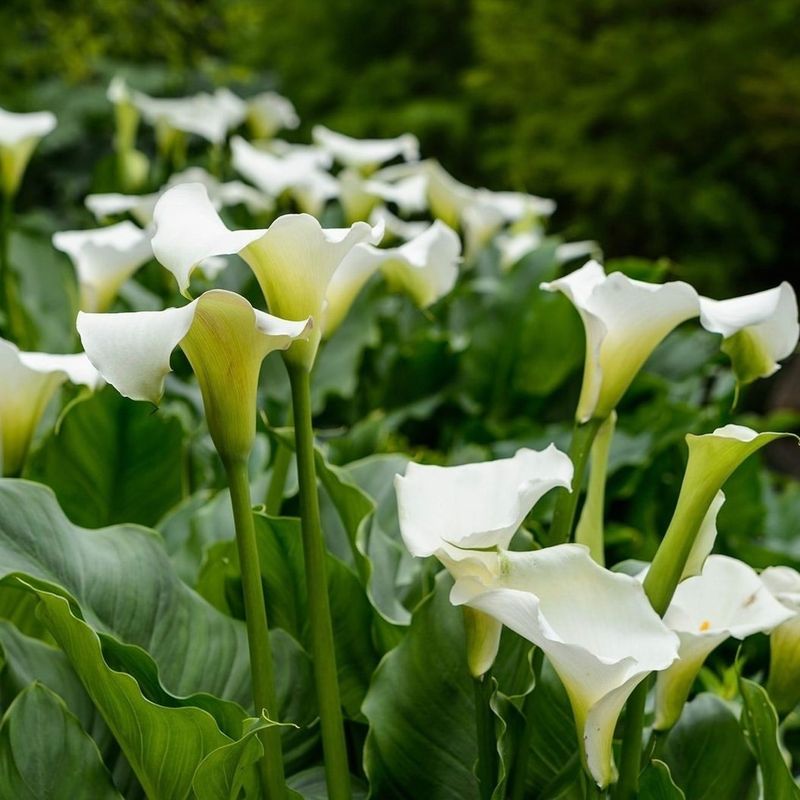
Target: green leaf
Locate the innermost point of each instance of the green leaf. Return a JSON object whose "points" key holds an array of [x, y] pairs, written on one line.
{"points": [[706, 752], [44, 752], [112, 461], [310, 785], [163, 745], [656, 783], [760, 723], [420, 707]]}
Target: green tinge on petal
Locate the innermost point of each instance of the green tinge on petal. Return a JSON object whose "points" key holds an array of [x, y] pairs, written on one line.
{"points": [[483, 640], [783, 685], [749, 358], [13, 160]]}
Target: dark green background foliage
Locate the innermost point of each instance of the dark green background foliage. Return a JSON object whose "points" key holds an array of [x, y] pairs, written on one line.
{"points": [[661, 132]]}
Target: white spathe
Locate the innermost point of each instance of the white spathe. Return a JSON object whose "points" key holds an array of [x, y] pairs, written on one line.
{"points": [[270, 112], [225, 340], [104, 258], [365, 154], [360, 195], [395, 227], [758, 330], [19, 135], [596, 627], [426, 268], [624, 321], [783, 684], [29, 381], [727, 599], [293, 260]]}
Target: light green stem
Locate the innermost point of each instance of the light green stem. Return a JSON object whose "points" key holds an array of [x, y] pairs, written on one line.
{"points": [[487, 740], [337, 773], [280, 471], [271, 764], [566, 502], [589, 530], [630, 764]]}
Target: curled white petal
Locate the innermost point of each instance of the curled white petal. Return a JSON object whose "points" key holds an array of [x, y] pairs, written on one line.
{"points": [[17, 128], [269, 112], [365, 153]]}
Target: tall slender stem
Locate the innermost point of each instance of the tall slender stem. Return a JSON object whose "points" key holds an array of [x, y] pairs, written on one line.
{"points": [[487, 740], [519, 769], [566, 503], [630, 763], [271, 764], [280, 471], [337, 773]]}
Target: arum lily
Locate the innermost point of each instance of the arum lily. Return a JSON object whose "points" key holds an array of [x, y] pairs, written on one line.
{"points": [[210, 116], [728, 599], [515, 245], [132, 164], [269, 112], [783, 684], [299, 173], [225, 340], [365, 154], [624, 321], [395, 227], [29, 382], [758, 330], [293, 260], [104, 258], [463, 514], [596, 627], [425, 267], [19, 135], [359, 196]]}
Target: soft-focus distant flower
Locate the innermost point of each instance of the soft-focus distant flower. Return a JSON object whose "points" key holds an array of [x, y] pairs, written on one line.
{"points": [[132, 164], [29, 382], [463, 514], [104, 258], [624, 321], [758, 330], [225, 340], [365, 154], [210, 116], [293, 260], [425, 267], [596, 627], [395, 227], [783, 684], [19, 135], [300, 172], [360, 196], [727, 599], [270, 112]]}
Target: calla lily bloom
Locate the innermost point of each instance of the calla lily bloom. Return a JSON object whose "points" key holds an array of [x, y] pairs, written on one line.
{"points": [[365, 154], [783, 684], [462, 514], [225, 340], [758, 330], [293, 260], [425, 267], [596, 627], [624, 321], [300, 172], [359, 195], [395, 227], [210, 116], [104, 258], [269, 112], [19, 135], [727, 599], [133, 165], [29, 382]]}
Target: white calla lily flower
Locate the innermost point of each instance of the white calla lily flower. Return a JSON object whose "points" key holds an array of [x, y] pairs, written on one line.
{"points": [[758, 330], [783, 684], [29, 382], [460, 514], [728, 599], [425, 267], [293, 260], [299, 172], [360, 196], [104, 258], [210, 116], [395, 227], [596, 627], [19, 135], [624, 321], [225, 340], [365, 154], [270, 112]]}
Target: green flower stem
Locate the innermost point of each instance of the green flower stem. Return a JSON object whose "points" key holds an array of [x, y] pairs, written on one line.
{"points": [[271, 764], [322, 648], [487, 740], [589, 530], [564, 513], [519, 769], [280, 471], [630, 764]]}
